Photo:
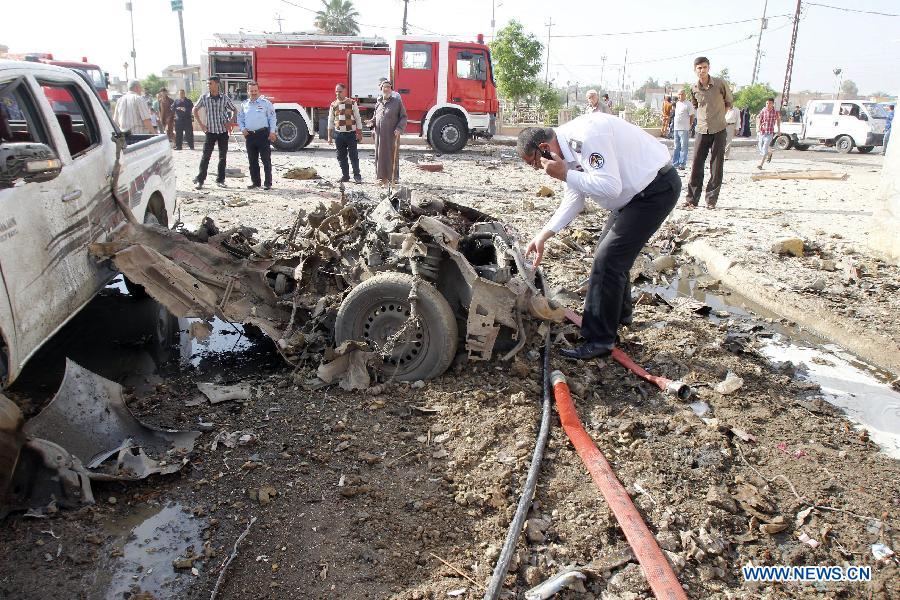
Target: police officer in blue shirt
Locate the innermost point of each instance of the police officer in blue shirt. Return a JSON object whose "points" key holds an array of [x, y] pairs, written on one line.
{"points": [[256, 120]]}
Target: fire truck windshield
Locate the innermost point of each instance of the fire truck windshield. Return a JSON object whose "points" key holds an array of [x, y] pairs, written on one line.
{"points": [[96, 76]]}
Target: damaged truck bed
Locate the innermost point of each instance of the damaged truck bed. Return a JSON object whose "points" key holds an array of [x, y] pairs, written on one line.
{"points": [[404, 284]]}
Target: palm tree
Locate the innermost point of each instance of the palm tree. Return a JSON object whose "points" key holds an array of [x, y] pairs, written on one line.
{"points": [[339, 18]]}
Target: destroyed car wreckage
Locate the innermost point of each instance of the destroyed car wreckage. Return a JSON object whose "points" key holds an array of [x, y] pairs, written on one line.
{"points": [[397, 284]]}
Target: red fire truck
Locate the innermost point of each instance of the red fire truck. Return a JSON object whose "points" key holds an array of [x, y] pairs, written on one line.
{"points": [[93, 72], [446, 85]]}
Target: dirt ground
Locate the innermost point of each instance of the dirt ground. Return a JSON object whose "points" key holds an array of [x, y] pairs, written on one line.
{"points": [[407, 494]]}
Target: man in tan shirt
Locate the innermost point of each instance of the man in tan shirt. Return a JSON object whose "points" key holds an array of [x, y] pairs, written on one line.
{"points": [[711, 97]]}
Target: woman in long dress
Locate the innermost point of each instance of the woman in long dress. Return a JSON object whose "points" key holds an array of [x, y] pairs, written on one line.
{"points": [[390, 122]]}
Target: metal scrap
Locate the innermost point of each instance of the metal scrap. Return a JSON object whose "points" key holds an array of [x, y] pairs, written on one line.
{"points": [[89, 418]]}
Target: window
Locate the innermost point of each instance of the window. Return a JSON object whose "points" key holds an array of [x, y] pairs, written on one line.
{"points": [[74, 115], [825, 108], [471, 65], [96, 77], [876, 110], [850, 109], [417, 56], [21, 113]]}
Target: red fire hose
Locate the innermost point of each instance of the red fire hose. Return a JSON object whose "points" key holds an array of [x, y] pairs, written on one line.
{"points": [[656, 568], [676, 388]]}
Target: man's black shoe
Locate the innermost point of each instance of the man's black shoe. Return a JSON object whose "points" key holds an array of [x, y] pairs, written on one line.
{"points": [[199, 186], [221, 184], [357, 178], [268, 186], [344, 179], [253, 186], [586, 351]]}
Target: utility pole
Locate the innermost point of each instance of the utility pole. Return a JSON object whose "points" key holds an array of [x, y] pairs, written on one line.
{"points": [[762, 25], [178, 6], [405, 9], [493, 19], [786, 90], [602, 68], [547, 76], [279, 20], [624, 69], [130, 10]]}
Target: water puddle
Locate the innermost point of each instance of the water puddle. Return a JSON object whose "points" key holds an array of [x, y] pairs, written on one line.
{"points": [[861, 390], [149, 542]]}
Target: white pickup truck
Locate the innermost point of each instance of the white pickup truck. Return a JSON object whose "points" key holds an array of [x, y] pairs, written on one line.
{"points": [[60, 157], [844, 124]]}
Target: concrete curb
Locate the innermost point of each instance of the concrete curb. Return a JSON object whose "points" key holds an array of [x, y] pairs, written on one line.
{"points": [[810, 312]]}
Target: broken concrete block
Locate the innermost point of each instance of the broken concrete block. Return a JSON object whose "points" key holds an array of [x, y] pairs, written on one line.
{"points": [[431, 167], [792, 246], [545, 192], [663, 263]]}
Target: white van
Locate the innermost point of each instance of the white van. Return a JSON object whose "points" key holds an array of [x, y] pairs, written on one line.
{"points": [[844, 124]]}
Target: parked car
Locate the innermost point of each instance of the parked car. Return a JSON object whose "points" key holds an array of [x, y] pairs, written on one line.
{"points": [[843, 124], [57, 165]]}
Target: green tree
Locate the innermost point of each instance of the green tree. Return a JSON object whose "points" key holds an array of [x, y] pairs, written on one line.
{"points": [[753, 97], [517, 61], [849, 89], [726, 77], [641, 92], [152, 84], [550, 101], [338, 18]]}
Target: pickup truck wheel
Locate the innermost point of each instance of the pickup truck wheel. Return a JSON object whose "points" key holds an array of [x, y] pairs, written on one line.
{"points": [[378, 309], [801, 147], [844, 144], [448, 134], [783, 142], [865, 149], [291, 132]]}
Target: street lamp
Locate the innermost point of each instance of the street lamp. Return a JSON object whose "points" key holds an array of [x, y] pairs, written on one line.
{"points": [[125, 66], [133, 51]]}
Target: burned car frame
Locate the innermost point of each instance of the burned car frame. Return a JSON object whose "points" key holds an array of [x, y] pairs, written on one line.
{"points": [[407, 282]]}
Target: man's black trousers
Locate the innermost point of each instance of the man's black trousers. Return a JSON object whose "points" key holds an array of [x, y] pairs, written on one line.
{"points": [[627, 230], [213, 139], [712, 144], [258, 148], [184, 132], [344, 144]]}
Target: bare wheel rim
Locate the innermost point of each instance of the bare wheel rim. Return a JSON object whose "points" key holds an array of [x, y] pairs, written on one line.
{"points": [[450, 134], [287, 131], [386, 327]]}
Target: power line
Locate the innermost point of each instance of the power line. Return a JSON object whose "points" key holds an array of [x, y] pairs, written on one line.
{"points": [[854, 10], [289, 3], [666, 29]]}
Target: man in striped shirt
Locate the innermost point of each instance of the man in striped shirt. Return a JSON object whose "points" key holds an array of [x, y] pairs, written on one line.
{"points": [[220, 113]]}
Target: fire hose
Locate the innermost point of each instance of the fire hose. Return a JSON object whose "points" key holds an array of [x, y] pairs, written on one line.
{"points": [[675, 388], [656, 567], [515, 527]]}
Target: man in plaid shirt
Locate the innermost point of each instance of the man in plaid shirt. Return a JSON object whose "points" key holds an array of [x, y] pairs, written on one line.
{"points": [[220, 114], [767, 121]]}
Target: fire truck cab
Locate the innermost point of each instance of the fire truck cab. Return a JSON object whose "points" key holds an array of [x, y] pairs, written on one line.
{"points": [[447, 86], [98, 77]]}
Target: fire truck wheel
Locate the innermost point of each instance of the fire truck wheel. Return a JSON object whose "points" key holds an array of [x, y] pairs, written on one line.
{"points": [[448, 134], [377, 312], [291, 131]]}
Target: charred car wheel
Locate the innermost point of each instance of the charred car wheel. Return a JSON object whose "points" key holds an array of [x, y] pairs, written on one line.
{"points": [[377, 311]]}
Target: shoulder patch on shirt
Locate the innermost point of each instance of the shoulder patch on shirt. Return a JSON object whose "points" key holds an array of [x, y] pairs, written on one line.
{"points": [[596, 160]]}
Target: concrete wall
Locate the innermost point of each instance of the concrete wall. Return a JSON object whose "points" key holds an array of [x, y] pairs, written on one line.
{"points": [[883, 235]]}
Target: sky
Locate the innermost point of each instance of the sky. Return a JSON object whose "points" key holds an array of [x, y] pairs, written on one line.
{"points": [[865, 46]]}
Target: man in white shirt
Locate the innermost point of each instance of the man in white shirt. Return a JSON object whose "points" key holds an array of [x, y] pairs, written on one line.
{"points": [[732, 122], [683, 121], [132, 113], [623, 169], [594, 104]]}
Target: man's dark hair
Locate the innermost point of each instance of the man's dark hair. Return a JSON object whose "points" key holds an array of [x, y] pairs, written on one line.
{"points": [[531, 138], [164, 90], [606, 96], [770, 100], [341, 85], [213, 78], [891, 106], [254, 82], [700, 60]]}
